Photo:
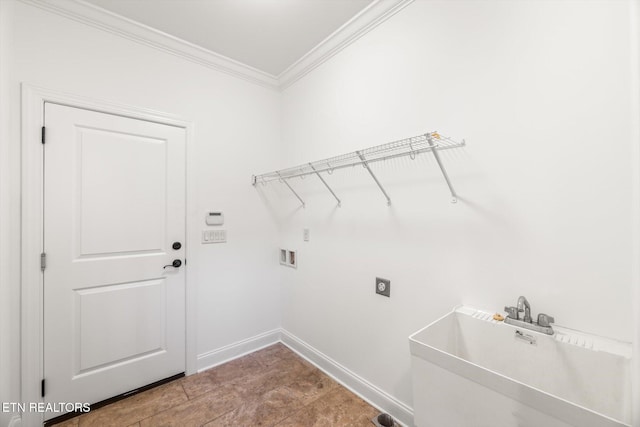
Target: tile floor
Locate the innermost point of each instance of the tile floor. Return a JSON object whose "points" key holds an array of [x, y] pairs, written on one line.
{"points": [[271, 387]]}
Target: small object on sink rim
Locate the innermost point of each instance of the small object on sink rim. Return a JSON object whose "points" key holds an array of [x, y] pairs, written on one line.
{"points": [[499, 317]]}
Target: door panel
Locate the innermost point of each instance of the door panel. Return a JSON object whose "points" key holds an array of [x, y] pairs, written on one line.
{"points": [[116, 214], [106, 337], [114, 202]]}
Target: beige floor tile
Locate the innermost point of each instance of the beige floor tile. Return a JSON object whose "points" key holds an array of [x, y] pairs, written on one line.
{"points": [[236, 370], [198, 384], [312, 385], [271, 386], [273, 354], [267, 410], [135, 408], [198, 411], [276, 375], [338, 408]]}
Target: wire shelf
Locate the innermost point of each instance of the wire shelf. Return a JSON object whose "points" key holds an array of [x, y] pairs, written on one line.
{"points": [[411, 147]]}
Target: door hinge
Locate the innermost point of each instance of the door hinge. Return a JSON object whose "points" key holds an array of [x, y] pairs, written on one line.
{"points": [[43, 261], [42, 388], [43, 132]]}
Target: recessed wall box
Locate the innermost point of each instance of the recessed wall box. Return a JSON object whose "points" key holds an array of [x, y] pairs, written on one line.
{"points": [[214, 218], [288, 258]]}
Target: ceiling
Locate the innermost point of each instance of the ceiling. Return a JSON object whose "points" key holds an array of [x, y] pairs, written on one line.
{"points": [[269, 35]]}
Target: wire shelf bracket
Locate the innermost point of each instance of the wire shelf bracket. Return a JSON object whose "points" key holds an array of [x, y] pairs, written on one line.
{"points": [[429, 142], [325, 184], [366, 165], [454, 196], [284, 181]]}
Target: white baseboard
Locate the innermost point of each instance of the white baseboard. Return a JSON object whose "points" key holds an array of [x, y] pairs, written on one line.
{"points": [[233, 351], [369, 392]]}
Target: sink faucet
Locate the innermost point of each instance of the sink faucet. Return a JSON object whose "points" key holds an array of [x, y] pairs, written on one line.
{"points": [[523, 305], [513, 318]]}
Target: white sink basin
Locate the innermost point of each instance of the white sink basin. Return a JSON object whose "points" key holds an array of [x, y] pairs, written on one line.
{"points": [[470, 370]]}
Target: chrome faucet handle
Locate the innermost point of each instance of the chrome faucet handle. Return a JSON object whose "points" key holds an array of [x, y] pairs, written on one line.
{"points": [[545, 319], [512, 312]]}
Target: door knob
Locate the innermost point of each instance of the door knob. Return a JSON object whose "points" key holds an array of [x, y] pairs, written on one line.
{"points": [[176, 263], [176, 245]]}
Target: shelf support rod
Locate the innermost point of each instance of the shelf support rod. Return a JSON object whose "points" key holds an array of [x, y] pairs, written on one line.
{"points": [[454, 196], [291, 188], [366, 165], [325, 184]]}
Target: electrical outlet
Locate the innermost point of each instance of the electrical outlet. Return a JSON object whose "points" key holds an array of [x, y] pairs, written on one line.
{"points": [[383, 287], [305, 234]]}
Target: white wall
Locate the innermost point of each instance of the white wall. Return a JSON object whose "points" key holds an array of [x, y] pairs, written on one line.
{"points": [[237, 127], [542, 93], [540, 90]]}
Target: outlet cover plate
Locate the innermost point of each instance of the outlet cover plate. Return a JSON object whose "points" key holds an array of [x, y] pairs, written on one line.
{"points": [[383, 287], [213, 236]]}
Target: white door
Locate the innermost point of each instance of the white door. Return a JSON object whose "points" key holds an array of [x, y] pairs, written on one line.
{"points": [[114, 205]]}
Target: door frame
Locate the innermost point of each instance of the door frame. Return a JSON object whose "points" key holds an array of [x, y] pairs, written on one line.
{"points": [[32, 216]]}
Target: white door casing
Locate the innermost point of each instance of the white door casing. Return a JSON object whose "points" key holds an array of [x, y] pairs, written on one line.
{"points": [[114, 202]]}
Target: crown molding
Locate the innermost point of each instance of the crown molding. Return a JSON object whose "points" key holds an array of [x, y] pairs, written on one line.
{"points": [[368, 19], [94, 16], [105, 20]]}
